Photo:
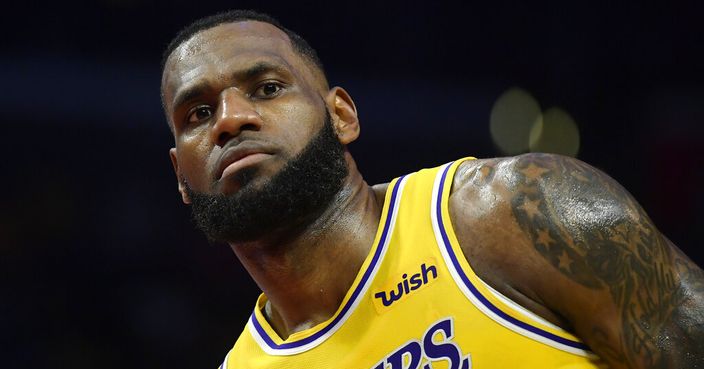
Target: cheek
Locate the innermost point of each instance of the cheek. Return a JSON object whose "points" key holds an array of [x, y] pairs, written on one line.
{"points": [[298, 124], [195, 164]]}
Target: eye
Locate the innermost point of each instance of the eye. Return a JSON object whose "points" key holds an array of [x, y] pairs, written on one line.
{"points": [[268, 90], [200, 113]]}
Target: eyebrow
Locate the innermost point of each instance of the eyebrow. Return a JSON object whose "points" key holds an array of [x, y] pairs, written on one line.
{"points": [[247, 74], [189, 94], [258, 69]]}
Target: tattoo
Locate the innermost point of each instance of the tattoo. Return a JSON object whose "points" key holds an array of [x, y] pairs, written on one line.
{"points": [[590, 228]]}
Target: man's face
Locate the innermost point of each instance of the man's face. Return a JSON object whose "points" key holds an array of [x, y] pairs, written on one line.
{"points": [[257, 153], [239, 98]]}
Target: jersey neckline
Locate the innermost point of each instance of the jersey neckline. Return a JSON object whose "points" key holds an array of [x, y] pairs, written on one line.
{"points": [[298, 342]]}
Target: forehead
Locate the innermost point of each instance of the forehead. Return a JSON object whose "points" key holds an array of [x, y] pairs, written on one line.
{"points": [[216, 51]]}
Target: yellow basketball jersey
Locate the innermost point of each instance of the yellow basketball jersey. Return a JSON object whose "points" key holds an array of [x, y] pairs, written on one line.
{"points": [[416, 304]]}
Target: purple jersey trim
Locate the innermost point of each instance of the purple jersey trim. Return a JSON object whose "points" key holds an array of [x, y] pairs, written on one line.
{"points": [[475, 291], [355, 294]]}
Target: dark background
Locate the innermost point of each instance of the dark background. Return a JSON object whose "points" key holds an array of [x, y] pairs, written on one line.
{"points": [[100, 264]]}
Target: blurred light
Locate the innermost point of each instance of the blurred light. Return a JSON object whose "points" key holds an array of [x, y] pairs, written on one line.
{"points": [[555, 132], [512, 116]]}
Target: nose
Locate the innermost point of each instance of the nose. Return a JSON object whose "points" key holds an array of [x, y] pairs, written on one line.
{"points": [[235, 114]]}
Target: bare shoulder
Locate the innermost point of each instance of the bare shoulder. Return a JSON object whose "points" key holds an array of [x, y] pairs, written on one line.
{"points": [[525, 195], [492, 239], [574, 242], [552, 198]]}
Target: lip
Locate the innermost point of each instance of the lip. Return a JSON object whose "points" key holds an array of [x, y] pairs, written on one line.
{"points": [[240, 156]]}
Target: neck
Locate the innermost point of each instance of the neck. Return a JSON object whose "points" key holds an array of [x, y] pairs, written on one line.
{"points": [[306, 277]]}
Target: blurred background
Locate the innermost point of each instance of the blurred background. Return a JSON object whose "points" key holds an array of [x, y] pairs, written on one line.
{"points": [[101, 266]]}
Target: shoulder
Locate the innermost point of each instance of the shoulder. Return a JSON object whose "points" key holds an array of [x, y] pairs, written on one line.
{"points": [[516, 171], [565, 237], [523, 223], [538, 201], [533, 183]]}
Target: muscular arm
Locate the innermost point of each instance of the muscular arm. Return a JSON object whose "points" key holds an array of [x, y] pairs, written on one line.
{"points": [[595, 260]]}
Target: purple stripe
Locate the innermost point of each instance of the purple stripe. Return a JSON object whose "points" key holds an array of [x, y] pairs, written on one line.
{"points": [[476, 292], [355, 293]]}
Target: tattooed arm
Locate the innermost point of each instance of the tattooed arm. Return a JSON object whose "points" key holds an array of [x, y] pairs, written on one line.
{"points": [[569, 243]]}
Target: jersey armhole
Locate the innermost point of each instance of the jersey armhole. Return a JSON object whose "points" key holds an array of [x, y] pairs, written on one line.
{"points": [[496, 306]]}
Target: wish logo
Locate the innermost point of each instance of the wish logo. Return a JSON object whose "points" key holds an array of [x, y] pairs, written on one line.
{"points": [[435, 345], [408, 284]]}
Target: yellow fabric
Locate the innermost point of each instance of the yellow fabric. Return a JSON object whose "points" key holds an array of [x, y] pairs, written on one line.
{"points": [[437, 320]]}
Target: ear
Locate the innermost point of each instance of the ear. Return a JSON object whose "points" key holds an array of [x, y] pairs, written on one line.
{"points": [[344, 115], [181, 184]]}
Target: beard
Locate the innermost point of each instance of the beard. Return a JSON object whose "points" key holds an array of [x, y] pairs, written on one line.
{"points": [[284, 205]]}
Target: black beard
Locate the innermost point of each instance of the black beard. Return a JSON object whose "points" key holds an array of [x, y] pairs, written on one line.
{"points": [[286, 204]]}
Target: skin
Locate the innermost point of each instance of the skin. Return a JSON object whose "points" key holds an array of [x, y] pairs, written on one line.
{"points": [[552, 233], [568, 242], [301, 294]]}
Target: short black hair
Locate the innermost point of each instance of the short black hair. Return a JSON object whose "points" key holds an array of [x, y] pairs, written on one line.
{"points": [[233, 16]]}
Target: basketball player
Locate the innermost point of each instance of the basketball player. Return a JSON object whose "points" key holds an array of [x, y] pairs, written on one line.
{"points": [[534, 261]]}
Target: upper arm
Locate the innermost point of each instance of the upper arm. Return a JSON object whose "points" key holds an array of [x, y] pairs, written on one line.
{"points": [[591, 255]]}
